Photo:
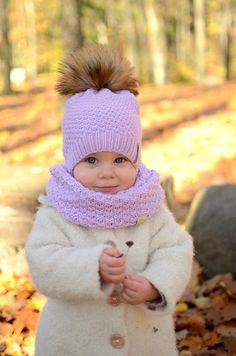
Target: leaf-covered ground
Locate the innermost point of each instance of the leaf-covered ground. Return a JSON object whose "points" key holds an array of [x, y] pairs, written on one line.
{"points": [[189, 132], [205, 317]]}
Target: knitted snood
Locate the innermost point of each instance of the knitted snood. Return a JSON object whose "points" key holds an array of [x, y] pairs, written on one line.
{"points": [[86, 207]]}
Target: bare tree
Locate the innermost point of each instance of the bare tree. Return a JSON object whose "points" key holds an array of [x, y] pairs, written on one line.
{"points": [[6, 49], [200, 38], [227, 29], [183, 31], [129, 34], [157, 41], [71, 25], [145, 53], [31, 65], [111, 21]]}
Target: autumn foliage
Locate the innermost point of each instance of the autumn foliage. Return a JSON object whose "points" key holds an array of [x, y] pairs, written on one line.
{"points": [[206, 320]]}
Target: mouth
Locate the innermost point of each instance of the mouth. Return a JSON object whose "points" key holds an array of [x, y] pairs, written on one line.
{"points": [[107, 189]]}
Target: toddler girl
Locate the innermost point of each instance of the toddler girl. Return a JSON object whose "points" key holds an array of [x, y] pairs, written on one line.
{"points": [[101, 201]]}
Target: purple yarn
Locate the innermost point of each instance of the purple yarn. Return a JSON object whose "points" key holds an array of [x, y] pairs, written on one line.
{"points": [[103, 120], [86, 207]]}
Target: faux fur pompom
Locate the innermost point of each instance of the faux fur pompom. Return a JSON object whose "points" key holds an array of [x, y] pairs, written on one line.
{"points": [[96, 66]]}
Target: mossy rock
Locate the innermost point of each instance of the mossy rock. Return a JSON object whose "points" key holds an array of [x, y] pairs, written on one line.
{"points": [[212, 223]]}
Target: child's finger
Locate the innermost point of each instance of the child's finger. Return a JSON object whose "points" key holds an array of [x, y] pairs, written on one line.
{"points": [[122, 299], [115, 262], [129, 292], [116, 270], [112, 251], [130, 284], [130, 299], [116, 279], [135, 278]]}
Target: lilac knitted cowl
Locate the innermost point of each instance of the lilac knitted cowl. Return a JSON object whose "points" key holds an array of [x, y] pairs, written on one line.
{"points": [[85, 207]]}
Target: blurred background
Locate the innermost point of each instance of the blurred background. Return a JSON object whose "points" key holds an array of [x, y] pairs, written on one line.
{"points": [[167, 41], [184, 53]]}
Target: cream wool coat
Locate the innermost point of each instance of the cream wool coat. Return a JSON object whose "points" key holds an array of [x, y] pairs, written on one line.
{"points": [[79, 319]]}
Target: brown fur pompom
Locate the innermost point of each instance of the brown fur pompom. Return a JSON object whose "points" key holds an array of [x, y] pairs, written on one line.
{"points": [[96, 66]]}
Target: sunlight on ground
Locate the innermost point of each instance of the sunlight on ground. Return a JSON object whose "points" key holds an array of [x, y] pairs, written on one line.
{"points": [[189, 132], [191, 152]]}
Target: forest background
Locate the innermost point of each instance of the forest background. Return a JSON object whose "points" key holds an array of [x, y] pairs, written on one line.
{"points": [[167, 41], [184, 53]]}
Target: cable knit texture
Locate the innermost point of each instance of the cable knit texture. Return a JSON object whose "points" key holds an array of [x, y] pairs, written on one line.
{"points": [[85, 207], [101, 121]]}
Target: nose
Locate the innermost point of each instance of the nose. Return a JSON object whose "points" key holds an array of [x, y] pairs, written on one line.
{"points": [[106, 171]]}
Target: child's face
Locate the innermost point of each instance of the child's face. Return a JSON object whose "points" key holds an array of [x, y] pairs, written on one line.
{"points": [[106, 172]]}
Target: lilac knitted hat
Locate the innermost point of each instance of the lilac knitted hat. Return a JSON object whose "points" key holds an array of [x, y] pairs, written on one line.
{"points": [[100, 121], [102, 114]]}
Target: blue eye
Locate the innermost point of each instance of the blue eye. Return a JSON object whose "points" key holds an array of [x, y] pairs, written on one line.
{"points": [[91, 160], [120, 160]]}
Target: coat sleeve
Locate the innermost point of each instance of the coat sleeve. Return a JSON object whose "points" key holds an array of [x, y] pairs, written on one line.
{"points": [[170, 260], [58, 269]]}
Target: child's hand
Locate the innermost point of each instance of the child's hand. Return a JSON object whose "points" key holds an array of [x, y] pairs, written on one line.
{"points": [[137, 290], [111, 267]]}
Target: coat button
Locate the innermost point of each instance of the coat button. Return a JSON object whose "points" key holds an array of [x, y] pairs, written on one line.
{"points": [[141, 219], [114, 298], [117, 341]]}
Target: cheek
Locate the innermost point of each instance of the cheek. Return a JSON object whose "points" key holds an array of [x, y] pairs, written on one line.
{"points": [[129, 178], [83, 176]]}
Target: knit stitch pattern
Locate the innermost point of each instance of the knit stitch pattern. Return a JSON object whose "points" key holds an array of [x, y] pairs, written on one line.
{"points": [[86, 207], [100, 121]]}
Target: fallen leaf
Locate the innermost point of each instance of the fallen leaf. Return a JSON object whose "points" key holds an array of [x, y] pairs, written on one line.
{"points": [[191, 321], [2, 346], [23, 295], [193, 343], [229, 311], [229, 287], [181, 334], [181, 307], [219, 301], [208, 286], [25, 318], [13, 349], [210, 338], [202, 302], [36, 302], [6, 329], [227, 329], [185, 353]]}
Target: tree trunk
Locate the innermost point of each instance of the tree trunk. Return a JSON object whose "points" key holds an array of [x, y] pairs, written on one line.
{"points": [[70, 23], [183, 33], [111, 22], [31, 65], [226, 27], [6, 49], [130, 35], [157, 42], [199, 34], [144, 45]]}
